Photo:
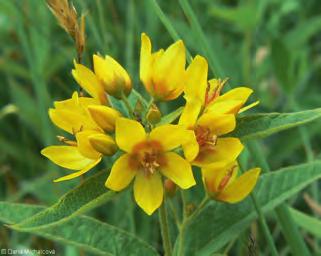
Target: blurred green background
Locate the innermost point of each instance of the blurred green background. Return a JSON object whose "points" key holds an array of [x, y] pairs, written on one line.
{"points": [[271, 46]]}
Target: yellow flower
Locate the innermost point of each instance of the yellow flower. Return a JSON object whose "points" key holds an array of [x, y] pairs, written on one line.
{"points": [[89, 82], [113, 76], [147, 157], [222, 183], [91, 142], [210, 115], [161, 72]]}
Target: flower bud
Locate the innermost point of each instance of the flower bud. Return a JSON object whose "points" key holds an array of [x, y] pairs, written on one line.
{"points": [[153, 115], [104, 116], [170, 187], [113, 76], [103, 144]]}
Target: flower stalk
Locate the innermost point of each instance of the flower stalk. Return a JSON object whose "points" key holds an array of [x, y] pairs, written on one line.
{"points": [[163, 221]]}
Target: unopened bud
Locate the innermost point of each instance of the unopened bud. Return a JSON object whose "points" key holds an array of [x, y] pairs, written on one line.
{"points": [[153, 115], [113, 76], [170, 188], [103, 144], [104, 116]]}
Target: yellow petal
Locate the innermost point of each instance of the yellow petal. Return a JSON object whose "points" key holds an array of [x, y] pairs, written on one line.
{"points": [[84, 146], [218, 124], [178, 170], [196, 79], [239, 93], [103, 143], [145, 69], [240, 188], [190, 146], [169, 136], [190, 113], [232, 101], [121, 174], [104, 116], [148, 191], [214, 174], [89, 82], [81, 172], [66, 156], [71, 121], [226, 150], [168, 71], [76, 103], [225, 107], [129, 133]]}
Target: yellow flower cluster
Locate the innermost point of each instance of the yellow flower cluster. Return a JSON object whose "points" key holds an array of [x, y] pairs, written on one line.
{"points": [[148, 150]]}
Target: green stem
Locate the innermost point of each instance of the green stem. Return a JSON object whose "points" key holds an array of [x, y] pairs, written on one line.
{"points": [[168, 25], [200, 207], [265, 228], [290, 230], [183, 204], [165, 230], [175, 215], [215, 66], [128, 106], [130, 36]]}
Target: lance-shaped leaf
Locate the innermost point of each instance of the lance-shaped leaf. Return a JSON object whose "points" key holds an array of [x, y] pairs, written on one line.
{"points": [[88, 195], [85, 232], [262, 125], [308, 223], [218, 223]]}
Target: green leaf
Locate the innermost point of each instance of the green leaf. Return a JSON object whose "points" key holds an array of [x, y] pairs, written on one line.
{"points": [[218, 223], [85, 232], [171, 117], [262, 125], [308, 223], [83, 198]]}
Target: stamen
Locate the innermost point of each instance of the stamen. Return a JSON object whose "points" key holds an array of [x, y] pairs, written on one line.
{"points": [[66, 141], [149, 162], [205, 137]]}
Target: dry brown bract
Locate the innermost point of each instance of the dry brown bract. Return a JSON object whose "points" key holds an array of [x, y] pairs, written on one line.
{"points": [[66, 15]]}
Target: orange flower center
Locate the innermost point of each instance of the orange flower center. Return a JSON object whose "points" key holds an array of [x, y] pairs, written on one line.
{"points": [[205, 137], [148, 156]]}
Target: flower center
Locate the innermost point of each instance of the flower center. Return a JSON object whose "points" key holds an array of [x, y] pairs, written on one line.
{"points": [[205, 137], [149, 163], [148, 156]]}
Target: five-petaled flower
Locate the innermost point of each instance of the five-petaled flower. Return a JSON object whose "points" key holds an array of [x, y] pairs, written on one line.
{"points": [[148, 156]]}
